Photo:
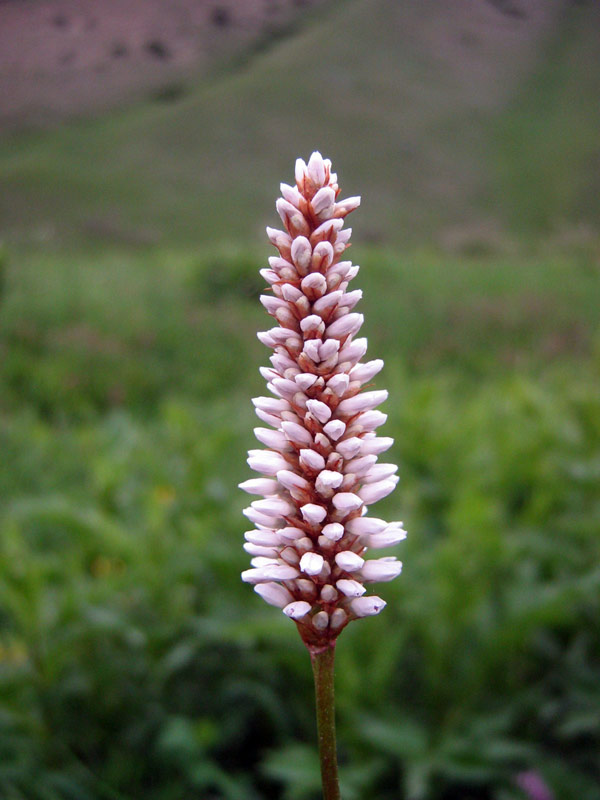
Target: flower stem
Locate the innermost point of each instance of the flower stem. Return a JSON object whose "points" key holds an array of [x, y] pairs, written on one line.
{"points": [[322, 660]]}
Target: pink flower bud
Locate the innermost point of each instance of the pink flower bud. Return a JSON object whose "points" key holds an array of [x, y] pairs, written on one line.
{"points": [[381, 569], [367, 606], [297, 609], [349, 561], [311, 563], [274, 594]]}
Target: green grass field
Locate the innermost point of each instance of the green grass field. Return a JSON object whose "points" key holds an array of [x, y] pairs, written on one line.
{"points": [[133, 661]]}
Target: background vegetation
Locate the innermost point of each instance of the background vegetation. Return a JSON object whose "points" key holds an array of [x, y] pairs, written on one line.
{"points": [[133, 662]]}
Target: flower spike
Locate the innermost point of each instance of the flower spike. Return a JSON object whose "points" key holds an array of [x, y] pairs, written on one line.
{"points": [[319, 471]]}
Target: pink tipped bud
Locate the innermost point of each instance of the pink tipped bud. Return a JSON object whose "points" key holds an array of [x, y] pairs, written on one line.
{"points": [[347, 325], [345, 502], [274, 594], [264, 486], [376, 445], [381, 569], [318, 409], [296, 433], [349, 447], [273, 439], [334, 429], [369, 420], [313, 325], [291, 194], [312, 513], [280, 239], [328, 349], [327, 481], [271, 572], [293, 534], [350, 588], [349, 561], [314, 284], [333, 531], [300, 173], [366, 526], [311, 348], [338, 384], [367, 606], [362, 402], [322, 256], [266, 461], [290, 480], [379, 472], [312, 460], [353, 351], [363, 373], [360, 466], [301, 253], [391, 535], [322, 202], [316, 169], [297, 609], [305, 380], [346, 206], [292, 218], [325, 305], [259, 550], [273, 507], [264, 538], [372, 492], [311, 563]]}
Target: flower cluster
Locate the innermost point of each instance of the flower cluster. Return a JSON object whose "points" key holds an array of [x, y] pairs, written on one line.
{"points": [[319, 469]]}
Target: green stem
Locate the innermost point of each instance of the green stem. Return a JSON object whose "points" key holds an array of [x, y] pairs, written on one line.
{"points": [[322, 663]]}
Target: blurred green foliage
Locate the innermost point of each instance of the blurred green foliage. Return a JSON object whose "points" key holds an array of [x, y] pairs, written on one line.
{"points": [[133, 661]]}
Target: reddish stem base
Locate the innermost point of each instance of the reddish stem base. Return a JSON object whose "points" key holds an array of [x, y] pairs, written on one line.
{"points": [[322, 660]]}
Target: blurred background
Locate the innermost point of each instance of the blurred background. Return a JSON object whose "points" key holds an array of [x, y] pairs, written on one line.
{"points": [[141, 149]]}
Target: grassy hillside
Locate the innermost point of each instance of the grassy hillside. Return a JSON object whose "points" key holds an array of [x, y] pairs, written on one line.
{"points": [[439, 117]]}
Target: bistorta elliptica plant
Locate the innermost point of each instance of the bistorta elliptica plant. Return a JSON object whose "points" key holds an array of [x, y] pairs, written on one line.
{"points": [[319, 469]]}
